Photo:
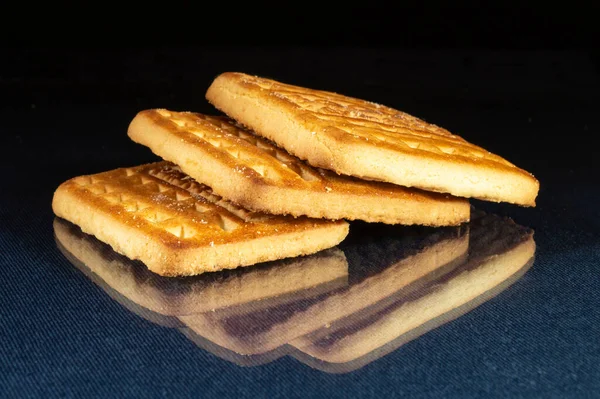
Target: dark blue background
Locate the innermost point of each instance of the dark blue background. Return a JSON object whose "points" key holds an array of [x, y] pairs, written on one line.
{"points": [[65, 113]]}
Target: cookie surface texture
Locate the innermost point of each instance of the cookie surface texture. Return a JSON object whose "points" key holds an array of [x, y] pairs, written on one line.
{"points": [[256, 174], [370, 141], [177, 226]]}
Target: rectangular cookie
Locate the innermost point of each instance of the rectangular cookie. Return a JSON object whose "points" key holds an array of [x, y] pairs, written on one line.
{"points": [[370, 141], [254, 173], [177, 226]]}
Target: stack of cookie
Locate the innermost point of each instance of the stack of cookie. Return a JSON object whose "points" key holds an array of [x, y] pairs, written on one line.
{"points": [[280, 176]]}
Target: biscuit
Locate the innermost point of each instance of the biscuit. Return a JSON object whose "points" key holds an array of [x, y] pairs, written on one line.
{"points": [[255, 174], [370, 141], [134, 286], [158, 215]]}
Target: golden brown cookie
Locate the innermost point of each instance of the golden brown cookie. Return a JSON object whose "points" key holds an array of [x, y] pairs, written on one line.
{"points": [[176, 226], [370, 141], [254, 173]]}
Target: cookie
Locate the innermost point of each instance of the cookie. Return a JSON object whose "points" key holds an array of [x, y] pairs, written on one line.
{"points": [[255, 174], [177, 226], [359, 138]]}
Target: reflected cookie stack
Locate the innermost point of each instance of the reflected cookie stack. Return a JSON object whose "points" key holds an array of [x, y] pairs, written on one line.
{"points": [[336, 310]]}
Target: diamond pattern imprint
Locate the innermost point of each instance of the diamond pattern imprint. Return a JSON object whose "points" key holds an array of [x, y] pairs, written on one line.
{"points": [[376, 123], [168, 191], [250, 151]]}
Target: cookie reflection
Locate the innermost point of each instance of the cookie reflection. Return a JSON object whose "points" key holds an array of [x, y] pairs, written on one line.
{"points": [[391, 259], [500, 252], [335, 311], [160, 298]]}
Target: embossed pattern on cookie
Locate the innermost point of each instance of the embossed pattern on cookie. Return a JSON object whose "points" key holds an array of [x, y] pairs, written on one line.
{"points": [[370, 141], [253, 172], [177, 226]]}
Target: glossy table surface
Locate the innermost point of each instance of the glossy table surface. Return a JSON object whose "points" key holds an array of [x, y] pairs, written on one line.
{"points": [[506, 305]]}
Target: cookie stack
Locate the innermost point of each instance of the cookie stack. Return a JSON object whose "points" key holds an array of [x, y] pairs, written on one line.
{"points": [[280, 176]]}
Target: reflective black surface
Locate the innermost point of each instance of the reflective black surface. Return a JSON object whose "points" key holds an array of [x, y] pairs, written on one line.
{"points": [[64, 334]]}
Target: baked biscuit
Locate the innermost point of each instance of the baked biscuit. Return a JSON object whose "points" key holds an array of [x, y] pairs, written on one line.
{"points": [[370, 141], [177, 226], [257, 175]]}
